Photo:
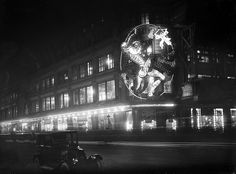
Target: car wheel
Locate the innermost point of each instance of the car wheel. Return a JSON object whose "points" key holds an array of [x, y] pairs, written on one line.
{"points": [[99, 164]]}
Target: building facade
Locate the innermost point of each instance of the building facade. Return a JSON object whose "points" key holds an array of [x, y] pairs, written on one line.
{"points": [[86, 93]]}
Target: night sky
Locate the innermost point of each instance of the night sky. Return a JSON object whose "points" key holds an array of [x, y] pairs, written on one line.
{"points": [[37, 33]]}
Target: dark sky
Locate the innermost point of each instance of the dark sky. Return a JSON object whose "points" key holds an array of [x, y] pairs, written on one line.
{"points": [[37, 33]]}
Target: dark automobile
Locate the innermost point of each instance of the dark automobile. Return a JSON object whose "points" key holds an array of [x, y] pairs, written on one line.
{"points": [[60, 151]]}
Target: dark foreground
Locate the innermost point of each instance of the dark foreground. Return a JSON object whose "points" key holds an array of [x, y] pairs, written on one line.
{"points": [[135, 157]]}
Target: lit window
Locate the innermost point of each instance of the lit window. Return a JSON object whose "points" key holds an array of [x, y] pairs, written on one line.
{"points": [[82, 71], [35, 106], [102, 91], [48, 103], [62, 124], [52, 81], [43, 104], [106, 90], [102, 64], [198, 51], [66, 77], [75, 94], [89, 68], [218, 118], [111, 89], [148, 124], [110, 62], [82, 96], [89, 94], [64, 100], [233, 116], [52, 103]]}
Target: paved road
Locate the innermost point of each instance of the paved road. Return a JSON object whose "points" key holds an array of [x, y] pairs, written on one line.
{"points": [[129, 155]]}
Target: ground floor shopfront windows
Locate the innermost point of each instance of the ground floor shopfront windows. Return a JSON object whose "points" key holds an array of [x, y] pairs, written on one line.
{"points": [[113, 118], [233, 117], [214, 118], [123, 118]]}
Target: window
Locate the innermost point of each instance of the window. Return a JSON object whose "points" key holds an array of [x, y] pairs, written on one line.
{"points": [[106, 90], [75, 72], [35, 106], [89, 94], [66, 77], [89, 68], [110, 62], [82, 96], [82, 71], [63, 77], [64, 100], [233, 116], [48, 103], [52, 103], [102, 91], [52, 80], [15, 111], [75, 94], [106, 63], [102, 64], [111, 89]]}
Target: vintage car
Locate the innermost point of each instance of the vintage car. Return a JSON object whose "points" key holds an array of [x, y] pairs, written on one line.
{"points": [[60, 151]]}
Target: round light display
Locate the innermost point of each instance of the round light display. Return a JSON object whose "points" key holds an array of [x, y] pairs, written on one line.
{"points": [[147, 61]]}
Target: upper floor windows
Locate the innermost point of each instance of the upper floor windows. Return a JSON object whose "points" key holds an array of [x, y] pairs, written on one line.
{"points": [[86, 69], [82, 71], [63, 77], [106, 90], [89, 68], [48, 103], [45, 83], [35, 106], [75, 72], [83, 95], [64, 100], [106, 63]]}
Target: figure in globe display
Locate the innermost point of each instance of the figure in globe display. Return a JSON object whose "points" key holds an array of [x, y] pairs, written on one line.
{"points": [[147, 61]]}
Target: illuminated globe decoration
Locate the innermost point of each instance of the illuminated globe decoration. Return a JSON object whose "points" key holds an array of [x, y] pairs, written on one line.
{"points": [[147, 61]]}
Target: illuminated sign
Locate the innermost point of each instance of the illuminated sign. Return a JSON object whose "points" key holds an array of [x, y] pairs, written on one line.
{"points": [[147, 61]]}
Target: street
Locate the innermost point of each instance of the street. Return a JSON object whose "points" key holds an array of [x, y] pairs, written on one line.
{"points": [[122, 156]]}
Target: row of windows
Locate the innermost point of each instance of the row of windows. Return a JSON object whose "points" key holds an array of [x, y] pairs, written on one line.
{"points": [[9, 98], [77, 72], [10, 112], [106, 91]]}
